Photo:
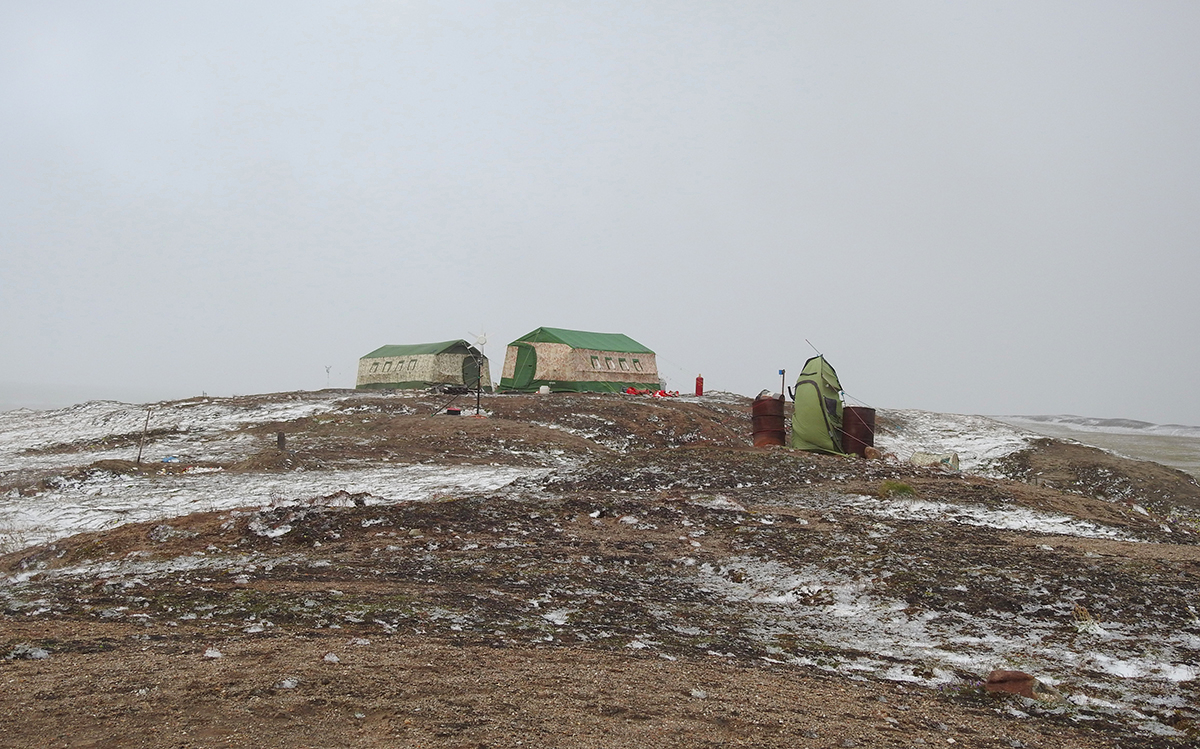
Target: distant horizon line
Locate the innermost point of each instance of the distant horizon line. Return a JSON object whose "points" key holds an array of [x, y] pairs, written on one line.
{"points": [[54, 397]]}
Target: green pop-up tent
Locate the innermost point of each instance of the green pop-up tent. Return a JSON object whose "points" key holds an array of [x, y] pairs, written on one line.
{"points": [[817, 418]]}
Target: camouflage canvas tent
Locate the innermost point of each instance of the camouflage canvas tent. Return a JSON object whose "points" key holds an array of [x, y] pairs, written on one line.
{"points": [[424, 365], [577, 361]]}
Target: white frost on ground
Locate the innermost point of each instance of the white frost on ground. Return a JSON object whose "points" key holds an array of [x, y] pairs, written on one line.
{"points": [[1014, 518], [106, 500], [859, 627], [978, 440]]}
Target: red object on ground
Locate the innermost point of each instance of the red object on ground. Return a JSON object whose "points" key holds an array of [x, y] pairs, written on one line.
{"points": [[699, 384], [1012, 682]]}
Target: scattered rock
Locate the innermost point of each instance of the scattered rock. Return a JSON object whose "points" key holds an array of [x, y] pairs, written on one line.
{"points": [[342, 498], [25, 651], [947, 461], [331, 658], [213, 653]]}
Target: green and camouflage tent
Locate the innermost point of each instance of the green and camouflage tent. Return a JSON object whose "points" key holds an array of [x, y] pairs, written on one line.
{"points": [[577, 361], [424, 365], [817, 418]]}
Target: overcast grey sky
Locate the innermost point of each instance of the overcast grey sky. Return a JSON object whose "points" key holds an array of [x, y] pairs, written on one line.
{"points": [[968, 207]]}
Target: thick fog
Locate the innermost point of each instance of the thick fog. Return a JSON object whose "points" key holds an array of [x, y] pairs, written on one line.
{"points": [[979, 208]]}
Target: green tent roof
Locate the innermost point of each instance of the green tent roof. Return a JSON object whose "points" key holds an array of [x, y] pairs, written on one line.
{"points": [[416, 349], [582, 339]]}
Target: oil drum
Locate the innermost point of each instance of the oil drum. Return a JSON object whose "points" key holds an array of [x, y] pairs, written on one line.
{"points": [[767, 420], [858, 429]]}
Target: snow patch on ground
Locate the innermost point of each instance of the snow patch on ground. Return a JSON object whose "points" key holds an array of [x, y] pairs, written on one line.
{"points": [[861, 628], [979, 441], [105, 500], [1015, 518], [23, 432]]}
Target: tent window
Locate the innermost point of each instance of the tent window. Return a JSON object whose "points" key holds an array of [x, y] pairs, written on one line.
{"points": [[595, 362], [624, 364], [608, 362], [374, 367], [387, 367], [637, 365], [412, 364]]}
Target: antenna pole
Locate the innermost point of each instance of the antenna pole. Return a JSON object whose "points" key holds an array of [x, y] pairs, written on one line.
{"points": [[478, 384], [481, 341]]}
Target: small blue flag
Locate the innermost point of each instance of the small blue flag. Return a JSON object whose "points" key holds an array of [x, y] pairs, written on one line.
{"points": [[781, 371]]}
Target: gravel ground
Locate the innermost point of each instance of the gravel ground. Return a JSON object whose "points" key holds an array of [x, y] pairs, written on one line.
{"points": [[647, 579]]}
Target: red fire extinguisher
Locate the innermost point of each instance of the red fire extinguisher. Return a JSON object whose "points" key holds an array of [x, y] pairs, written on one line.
{"points": [[699, 384]]}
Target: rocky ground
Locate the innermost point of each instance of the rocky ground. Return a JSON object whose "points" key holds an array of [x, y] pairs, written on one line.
{"points": [[643, 577]]}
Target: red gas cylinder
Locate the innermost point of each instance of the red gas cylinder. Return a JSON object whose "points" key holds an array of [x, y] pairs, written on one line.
{"points": [[699, 384]]}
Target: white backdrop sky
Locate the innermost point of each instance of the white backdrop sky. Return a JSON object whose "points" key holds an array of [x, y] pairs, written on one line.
{"points": [[968, 207]]}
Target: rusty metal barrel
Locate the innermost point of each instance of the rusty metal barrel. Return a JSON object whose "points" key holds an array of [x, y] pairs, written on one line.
{"points": [[767, 420], [858, 429]]}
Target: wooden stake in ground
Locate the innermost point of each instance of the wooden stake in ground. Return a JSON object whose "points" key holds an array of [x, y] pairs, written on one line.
{"points": [[142, 441]]}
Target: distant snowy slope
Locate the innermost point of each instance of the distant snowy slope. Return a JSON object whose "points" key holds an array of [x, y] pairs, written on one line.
{"points": [[1112, 426], [24, 433], [1171, 445]]}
